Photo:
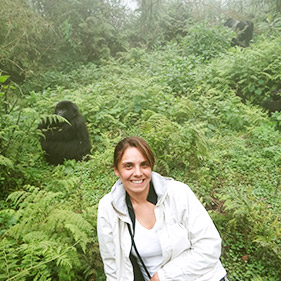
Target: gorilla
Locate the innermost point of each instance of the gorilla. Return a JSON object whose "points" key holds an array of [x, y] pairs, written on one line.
{"points": [[65, 139], [273, 103], [244, 30]]}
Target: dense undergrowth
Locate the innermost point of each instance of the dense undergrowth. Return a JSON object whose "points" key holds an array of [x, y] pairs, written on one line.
{"points": [[189, 108]]}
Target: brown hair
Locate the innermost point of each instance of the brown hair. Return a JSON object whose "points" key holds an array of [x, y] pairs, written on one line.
{"points": [[136, 142]]}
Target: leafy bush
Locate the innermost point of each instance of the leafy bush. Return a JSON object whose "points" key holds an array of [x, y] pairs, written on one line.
{"points": [[23, 31], [253, 73], [206, 41], [18, 136], [51, 239]]}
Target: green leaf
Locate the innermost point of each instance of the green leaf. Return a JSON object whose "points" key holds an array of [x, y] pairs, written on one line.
{"points": [[4, 78], [251, 87], [258, 91]]}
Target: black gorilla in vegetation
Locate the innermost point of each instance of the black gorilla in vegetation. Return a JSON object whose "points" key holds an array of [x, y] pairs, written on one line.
{"points": [[62, 140], [244, 30], [273, 103]]}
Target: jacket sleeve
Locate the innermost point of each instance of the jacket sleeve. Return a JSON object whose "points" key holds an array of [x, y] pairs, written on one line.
{"points": [[106, 244], [203, 255]]}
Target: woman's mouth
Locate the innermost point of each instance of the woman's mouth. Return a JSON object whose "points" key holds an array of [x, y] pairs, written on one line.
{"points": [[137, 181]]}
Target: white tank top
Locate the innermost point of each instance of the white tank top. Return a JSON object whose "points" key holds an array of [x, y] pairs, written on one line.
{"points": [[149, 248]]}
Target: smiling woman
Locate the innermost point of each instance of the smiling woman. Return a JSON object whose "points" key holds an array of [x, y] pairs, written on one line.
{"points": [[134, 172], [154, 228]]}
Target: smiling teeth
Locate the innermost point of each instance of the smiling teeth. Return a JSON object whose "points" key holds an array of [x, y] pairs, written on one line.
{"points": [[140, 181]]}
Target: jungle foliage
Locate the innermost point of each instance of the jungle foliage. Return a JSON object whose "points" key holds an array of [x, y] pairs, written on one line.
{"points": [[197, 101], [39, 35]]}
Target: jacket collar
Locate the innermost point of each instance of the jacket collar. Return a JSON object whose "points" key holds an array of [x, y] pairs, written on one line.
{"points": [[152, 196]]}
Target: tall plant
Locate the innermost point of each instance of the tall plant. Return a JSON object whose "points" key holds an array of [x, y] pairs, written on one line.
{"points": [[25, 38], [90, 28]]}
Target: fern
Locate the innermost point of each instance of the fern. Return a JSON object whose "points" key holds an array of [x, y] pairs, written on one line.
{"points": [[51, 240]]}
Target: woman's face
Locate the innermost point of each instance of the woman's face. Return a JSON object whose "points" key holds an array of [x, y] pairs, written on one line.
{"points": [[134, 171]]}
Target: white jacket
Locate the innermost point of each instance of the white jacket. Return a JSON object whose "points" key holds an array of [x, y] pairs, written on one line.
{"points": [[191, 245]]}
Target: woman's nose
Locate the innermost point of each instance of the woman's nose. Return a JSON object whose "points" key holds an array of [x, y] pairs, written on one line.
{"points": [[137, 171]]}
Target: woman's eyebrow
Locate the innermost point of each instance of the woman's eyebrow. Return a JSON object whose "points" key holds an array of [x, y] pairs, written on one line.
{"points": [[126, 163], [131, 163]]}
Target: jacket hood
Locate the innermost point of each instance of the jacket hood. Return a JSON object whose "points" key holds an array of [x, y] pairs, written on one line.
{"points": [[118, 193]]}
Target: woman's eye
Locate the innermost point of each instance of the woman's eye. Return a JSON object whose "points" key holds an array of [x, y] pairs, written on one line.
{"points": [[144, 165], [128, 166]]}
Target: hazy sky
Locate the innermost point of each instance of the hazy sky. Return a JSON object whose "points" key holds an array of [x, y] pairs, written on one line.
{"points": [[130, 3]]}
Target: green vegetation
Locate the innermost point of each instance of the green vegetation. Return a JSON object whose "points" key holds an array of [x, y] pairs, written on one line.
{"points": [[182, 93]]}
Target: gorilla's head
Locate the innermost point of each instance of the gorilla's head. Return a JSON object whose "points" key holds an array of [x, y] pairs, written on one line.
{"points": [[67, 109], [230, 23]]}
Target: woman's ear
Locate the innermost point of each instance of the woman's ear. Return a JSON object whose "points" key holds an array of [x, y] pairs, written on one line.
{"points": [[116, 172]]}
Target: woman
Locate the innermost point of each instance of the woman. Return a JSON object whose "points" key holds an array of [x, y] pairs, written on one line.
{"points": [[152, 227]]}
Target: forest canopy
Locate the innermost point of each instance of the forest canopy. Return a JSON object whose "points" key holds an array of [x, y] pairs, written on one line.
{"points": [[165, 71]]}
